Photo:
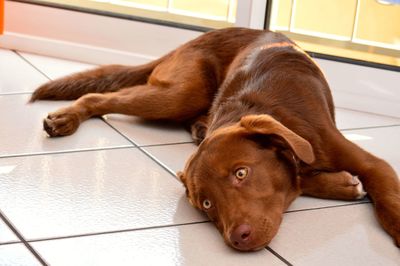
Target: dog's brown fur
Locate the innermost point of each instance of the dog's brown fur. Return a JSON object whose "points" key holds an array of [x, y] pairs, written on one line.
{"points": [[263, 113]]}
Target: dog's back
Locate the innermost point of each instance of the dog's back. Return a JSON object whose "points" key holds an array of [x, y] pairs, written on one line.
{"points": [[276, 77]]}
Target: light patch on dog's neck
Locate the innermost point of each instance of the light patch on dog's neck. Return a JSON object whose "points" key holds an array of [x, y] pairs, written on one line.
{"points": [[277, 44], [273, 40]]}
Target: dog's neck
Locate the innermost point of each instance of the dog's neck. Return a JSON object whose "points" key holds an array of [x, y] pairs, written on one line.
{"points": [[230, 112]]}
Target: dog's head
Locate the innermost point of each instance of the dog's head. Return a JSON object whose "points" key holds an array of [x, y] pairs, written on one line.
{"points": [[244, 176]]}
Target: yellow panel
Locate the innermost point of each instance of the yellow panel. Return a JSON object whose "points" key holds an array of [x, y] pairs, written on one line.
{"points": [[158, 3], [335, 17], [378, 22], [217, 8], [281, 10], [119, 8], [350, 53]]}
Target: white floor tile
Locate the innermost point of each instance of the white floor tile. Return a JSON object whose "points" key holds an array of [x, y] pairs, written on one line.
{"points": [[363, 88], [173, 157], [198, 244], [87, 192], [148, 133], [6, 235], [55, 67], [16, 255], [22, 131], [348, 119], [336, 236], [16, 75]]}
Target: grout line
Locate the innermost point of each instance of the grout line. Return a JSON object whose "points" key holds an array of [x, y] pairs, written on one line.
{"points": [[278, 256], [330, 207], [142, 150], [116, 231], [10, 243], [145, 145], [14, 93], [31, 64], [65, 151], [365, 112], [120, 133], [159, 163], [166, 144], [21, 238], [369, 127]]}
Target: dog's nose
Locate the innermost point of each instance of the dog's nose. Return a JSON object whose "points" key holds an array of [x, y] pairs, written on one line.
{"points": [[240, 236]]}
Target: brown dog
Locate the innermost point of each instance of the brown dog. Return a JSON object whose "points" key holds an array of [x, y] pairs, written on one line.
{"points": [[266, 115]]}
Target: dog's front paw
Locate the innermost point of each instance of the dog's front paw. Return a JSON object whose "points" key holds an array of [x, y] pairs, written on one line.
{"points": [[357, 187], [61, 123], [199, 131], [350, 187]]}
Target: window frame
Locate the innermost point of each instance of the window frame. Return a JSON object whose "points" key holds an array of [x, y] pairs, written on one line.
{"points": [[24, 18]]}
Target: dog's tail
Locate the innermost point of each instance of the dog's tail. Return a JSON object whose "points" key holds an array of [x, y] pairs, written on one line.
{"points": [[107, 78]]}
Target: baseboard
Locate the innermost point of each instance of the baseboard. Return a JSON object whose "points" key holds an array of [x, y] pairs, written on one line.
{"points": [[69, 50], [87, 37]]}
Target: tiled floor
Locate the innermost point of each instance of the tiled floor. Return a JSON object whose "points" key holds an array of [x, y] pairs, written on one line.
{"points": [[108, 195]]}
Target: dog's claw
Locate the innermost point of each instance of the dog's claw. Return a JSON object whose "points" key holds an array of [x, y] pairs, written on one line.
{"points": [[60, 124], [48, 127], [359, 188]]}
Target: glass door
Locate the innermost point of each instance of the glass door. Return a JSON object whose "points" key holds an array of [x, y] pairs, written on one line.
{"points": [[367, 30], [199, 13]]}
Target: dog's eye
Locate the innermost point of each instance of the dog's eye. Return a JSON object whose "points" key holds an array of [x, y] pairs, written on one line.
{"points": [[206, 204], [241, 173]]}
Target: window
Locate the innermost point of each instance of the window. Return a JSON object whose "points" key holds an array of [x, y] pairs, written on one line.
{"points": [[204, 13], [359, 29]]}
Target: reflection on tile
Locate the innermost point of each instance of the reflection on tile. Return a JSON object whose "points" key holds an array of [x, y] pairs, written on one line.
{"points": [[89, 192], [148, 133], [16, 75], [348, 119], [198, 244], [305, 203], [336, 236], [363, 88], [6, 235], [22, 131], [173, 157], [382, 142], [16, 254], [55, 67]]}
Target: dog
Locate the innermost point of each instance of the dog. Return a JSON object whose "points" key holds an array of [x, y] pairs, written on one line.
{"points": [[262, 113]]}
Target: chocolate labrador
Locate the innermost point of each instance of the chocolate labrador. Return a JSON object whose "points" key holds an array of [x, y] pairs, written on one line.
{"points": [[263, 114]]}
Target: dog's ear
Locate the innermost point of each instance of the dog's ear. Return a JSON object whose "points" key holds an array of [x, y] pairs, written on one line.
{"points": [[181, 176], [265, 124]]}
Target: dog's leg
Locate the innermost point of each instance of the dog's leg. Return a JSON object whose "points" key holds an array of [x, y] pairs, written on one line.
{"points": [[378, 178], [339, 185], [146, 101]]}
